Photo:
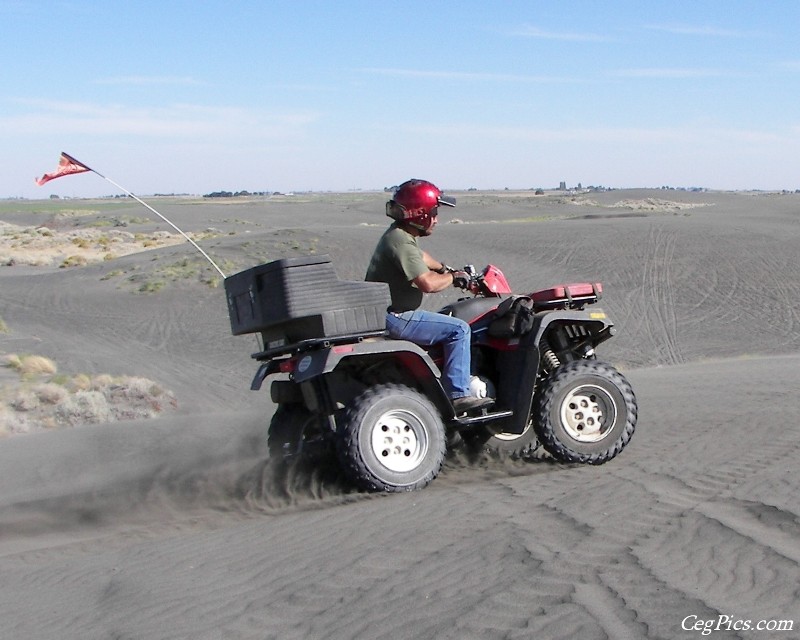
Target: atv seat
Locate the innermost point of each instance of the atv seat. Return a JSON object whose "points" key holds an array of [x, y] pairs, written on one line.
{"points": [[469, 309]]}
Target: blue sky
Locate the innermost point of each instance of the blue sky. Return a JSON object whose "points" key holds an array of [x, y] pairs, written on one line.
{"points": [[193, 97]]}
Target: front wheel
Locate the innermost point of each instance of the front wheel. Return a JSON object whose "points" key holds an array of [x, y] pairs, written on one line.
{"points": [[391, 439], [585, 412]]}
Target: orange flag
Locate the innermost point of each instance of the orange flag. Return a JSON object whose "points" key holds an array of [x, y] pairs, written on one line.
{"points": [[67, 165]]}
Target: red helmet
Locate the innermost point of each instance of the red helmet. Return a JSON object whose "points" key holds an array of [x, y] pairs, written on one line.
{"points": [[416, 202]]}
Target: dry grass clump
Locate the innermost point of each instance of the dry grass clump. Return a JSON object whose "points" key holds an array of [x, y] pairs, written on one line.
{"points": [[28, 365], [42, 399], [4, 420], [3, 326]]}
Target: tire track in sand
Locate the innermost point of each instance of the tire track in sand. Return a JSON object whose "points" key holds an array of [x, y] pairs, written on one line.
{"points": [[650, 308], [657, 284]]}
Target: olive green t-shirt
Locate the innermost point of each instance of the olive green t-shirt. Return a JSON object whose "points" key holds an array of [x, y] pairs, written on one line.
{"points": [[397, 261]]}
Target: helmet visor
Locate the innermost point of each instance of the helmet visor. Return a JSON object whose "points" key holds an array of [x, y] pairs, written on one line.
{"points": [[448, 201]]}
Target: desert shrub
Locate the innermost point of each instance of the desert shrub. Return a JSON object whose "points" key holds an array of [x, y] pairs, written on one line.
{"points": [[30, 365], [44, 399], [142, 388], [212, 281], [152, 287], [114, 273], [12, 421], [5, 419], [101, 381], [50, 393], [84, 407], [79, 382], [25, 400], [38, 365], [12, 361], [73, 261]]}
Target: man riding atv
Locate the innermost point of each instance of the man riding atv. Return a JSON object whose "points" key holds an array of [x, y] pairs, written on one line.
{"points": [[349, 376], [410, 272]]}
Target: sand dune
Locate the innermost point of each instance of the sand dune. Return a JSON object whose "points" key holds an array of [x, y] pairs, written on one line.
{"points": [[177, 528]]}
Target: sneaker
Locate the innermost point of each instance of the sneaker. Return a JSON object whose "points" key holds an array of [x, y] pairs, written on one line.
{"points": [[467, 403]]}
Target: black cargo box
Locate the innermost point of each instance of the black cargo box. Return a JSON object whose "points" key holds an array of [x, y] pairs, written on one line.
{"points": [[297, 299]]}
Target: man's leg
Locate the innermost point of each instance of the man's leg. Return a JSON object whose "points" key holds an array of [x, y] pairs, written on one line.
{"points": [[427, 328]]}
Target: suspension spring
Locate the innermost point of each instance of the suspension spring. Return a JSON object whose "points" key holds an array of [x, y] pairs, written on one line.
{"points": [[549, 358]]}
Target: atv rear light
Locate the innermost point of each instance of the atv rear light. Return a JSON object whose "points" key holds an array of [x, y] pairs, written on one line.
{"points": [[343, 348], [287, 366]]}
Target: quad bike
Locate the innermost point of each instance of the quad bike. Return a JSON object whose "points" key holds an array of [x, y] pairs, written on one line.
{"points": [[380, 403]]}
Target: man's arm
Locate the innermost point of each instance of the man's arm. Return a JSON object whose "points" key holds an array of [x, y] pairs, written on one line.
{"points": [[432, 263], [436, 278], [431, 282]]}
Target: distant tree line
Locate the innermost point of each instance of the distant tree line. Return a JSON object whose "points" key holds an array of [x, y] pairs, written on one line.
{"points": [[235, 194]]}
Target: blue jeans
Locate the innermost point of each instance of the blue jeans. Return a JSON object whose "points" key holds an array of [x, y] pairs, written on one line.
{"points": [[427, 328]]}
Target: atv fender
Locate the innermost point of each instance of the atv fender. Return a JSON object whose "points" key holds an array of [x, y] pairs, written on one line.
{"points": [[520, 367], [602, 328], [416, 361], [315, 363], [310, 365], [266, 369]]}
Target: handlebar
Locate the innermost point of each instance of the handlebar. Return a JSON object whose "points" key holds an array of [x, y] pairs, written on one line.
{"points": [[488, 282]]}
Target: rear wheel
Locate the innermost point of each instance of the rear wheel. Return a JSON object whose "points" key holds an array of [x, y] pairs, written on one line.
{"points": [[586, 412], [391, 439], [293, 432]]}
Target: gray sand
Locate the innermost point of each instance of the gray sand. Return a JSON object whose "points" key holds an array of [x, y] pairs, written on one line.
{"points": [[175, 528]]}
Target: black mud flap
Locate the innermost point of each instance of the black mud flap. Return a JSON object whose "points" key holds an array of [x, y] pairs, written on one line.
{"points": [[266, 369], [519, 384]]}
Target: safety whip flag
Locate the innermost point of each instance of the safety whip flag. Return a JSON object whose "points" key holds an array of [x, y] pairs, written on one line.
{"points": [[67, 165]]}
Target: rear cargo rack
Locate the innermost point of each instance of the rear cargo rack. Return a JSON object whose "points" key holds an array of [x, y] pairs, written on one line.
{"points": [[567, 296], [316, 343]]}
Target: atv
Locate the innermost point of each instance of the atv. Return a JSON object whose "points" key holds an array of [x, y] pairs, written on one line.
{"points": [[340, 382]]}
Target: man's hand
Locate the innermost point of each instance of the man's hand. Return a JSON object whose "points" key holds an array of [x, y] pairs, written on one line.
{"points": [[461, 279]]}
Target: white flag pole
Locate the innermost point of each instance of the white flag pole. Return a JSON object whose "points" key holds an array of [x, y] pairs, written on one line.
{"points": [[69, 165], [143, 203]]}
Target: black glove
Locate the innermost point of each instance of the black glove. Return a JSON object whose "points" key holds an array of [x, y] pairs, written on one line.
{"points": [[461, 279], [444, 269]]}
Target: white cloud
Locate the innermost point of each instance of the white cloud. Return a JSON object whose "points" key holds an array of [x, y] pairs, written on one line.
{"points": [[529, 31], [609, 135], [675, 72], [463, 75], [705, 31], [175, 121], [150, 80]]}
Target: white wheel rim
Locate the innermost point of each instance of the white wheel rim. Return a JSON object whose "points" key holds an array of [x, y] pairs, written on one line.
{"points": [[399, 441], [588, 413]]}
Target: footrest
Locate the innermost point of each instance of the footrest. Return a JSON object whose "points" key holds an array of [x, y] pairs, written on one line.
{"points": [[484, 417]]}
